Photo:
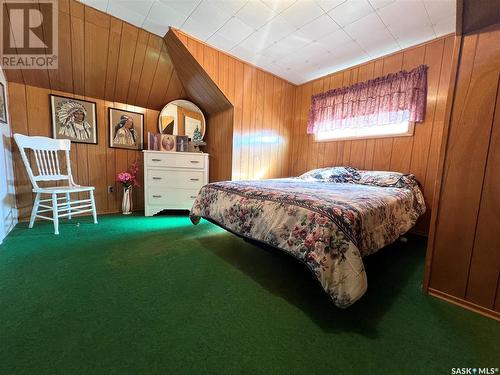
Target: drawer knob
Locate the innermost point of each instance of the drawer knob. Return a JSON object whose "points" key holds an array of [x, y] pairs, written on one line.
{"points": [[156, 196], [194, 161], [156, 178], [155, 159], [194, 179], [193, 196]]}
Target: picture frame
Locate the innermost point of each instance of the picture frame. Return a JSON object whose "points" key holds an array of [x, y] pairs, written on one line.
{"points": [[168, 143], [3, 106], [181, 143], [125, 129], [73, 119]]}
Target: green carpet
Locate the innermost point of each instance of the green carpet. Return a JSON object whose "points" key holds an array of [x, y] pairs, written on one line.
{"points": [[136, 295]]}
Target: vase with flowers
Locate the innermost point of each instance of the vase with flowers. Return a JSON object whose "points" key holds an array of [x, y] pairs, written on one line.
{"points": [[128, 179]]}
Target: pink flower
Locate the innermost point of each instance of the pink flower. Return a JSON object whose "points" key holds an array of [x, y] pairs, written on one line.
{"points": [[128, 178]]}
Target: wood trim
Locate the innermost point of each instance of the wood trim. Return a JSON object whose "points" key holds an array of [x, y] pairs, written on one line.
{"points": [[465, 304], [457, 48]]}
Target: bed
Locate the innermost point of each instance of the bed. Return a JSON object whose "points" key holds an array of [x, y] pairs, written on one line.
{"points": [[328, 218]]}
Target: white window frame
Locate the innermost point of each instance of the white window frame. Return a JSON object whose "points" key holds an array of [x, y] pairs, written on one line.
{"points": [[390, 131]]}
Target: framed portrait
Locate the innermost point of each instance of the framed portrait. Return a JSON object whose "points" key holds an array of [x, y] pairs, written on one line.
{"points": [[182, 142], [3, 107], [167, 142], [126, 129], [73, 119]]}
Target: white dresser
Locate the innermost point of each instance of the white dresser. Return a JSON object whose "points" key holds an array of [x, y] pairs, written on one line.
{"points": [[172, 180]]}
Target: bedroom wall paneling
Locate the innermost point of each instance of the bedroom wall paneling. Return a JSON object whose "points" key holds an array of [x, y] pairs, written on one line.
{"points": [[95, 165], [464, 248], [262, 116], [417, 154], [103, 57]]}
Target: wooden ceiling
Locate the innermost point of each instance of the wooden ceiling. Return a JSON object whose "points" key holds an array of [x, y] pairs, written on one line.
{"points": [[106, 58]]}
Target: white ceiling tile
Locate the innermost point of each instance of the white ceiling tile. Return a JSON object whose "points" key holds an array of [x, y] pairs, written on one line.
{"points": [[219, 41], [446, 26], [212, 12], [156, 28], [130, 11], [243, 52], [319, 27], [327, 5], [377, 39], [313, 50], [336, 38], [255, 14], [391, 15], [294, 42], [235, 30], [365, 27], [201, 28], [377, 4], [277, 29], [257, 41], [227, 6], [140, 7], [302, 12], [261, 60], [163, 14], [182, 6], [347, 51], [350, 11], [410, 37], [440, 10], [101, 5], [279, 6]]}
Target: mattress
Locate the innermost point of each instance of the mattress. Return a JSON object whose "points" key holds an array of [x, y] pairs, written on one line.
{"points": [[329, 226]]}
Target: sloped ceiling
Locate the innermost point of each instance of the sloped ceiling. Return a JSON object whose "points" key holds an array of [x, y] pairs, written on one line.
{"points": [[197, 83], [103, 57], [298, 40]]}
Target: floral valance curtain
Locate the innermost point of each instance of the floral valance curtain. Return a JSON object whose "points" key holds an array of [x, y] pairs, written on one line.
{"points": [[385, 100]]}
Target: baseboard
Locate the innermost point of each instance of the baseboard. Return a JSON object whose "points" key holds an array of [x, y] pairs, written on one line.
{"points": [[465, 304]]}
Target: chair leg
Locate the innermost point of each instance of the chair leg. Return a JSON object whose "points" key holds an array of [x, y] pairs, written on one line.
{"points": [[94, 212], [55, 214], [68, 205], [34, 210]]}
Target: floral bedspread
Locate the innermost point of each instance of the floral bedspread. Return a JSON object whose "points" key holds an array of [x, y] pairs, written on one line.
{"points": [[328, 226]]}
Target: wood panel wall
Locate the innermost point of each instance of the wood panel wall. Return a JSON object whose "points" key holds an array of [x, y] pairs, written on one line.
{"points": [[94, 165], [106, 60], [464, 246], [262, 116], [417, 154], [103, 57]]}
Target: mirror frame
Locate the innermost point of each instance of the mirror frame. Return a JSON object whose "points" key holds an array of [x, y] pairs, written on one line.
{"points": [[190, 103]]}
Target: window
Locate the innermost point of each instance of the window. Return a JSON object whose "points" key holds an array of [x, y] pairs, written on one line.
{"points": [[387, 106], [399, 127]]}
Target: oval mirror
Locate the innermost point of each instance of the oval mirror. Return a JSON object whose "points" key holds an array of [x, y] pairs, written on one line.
{"points": [[182, 117]]}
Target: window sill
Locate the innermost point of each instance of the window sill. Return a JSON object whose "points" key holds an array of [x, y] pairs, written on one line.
{"points": [[408, 133]]}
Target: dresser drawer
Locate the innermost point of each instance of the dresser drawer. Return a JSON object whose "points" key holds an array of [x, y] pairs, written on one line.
{"points": [[175, 160], [185, 179], [171, 197]]}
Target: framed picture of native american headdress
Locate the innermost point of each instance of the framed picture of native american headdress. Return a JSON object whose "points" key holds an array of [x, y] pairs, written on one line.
{"points": [[73, 119]]}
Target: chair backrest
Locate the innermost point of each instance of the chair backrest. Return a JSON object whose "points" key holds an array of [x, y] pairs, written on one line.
{"points": [[45, 151]]}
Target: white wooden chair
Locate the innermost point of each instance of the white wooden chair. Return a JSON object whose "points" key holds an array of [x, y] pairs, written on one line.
{"points": [[45, 152]]}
